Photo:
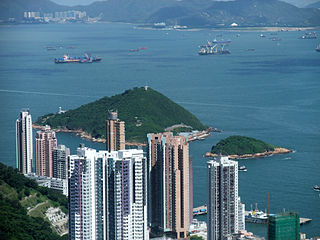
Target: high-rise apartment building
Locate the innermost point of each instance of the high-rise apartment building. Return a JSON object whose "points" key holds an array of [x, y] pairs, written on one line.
{"points": [[128, 195], [107, 195], [169, 183], [24, 147], [223, 199], [241, 215], [88, 211], [284, 226], [115, 133], [60, 162], [46, 141]]}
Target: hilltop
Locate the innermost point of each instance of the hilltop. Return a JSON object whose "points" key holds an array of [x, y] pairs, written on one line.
{"points": [[23, 205], [244, 147], [144, 111]]}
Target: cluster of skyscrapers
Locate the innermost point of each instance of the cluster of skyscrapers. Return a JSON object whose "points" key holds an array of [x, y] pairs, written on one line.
{"points": [[66, 15], [122, 194], [51, 162]]}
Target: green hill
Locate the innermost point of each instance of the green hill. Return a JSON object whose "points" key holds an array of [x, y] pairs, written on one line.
{"points": [[240, 145], [22, 207], [143, 112]]}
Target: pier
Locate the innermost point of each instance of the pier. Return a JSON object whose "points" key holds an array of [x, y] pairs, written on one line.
{"points": [[201, 210]]}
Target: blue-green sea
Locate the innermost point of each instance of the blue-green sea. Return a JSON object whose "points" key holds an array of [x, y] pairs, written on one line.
{"points": [[271, 93]]}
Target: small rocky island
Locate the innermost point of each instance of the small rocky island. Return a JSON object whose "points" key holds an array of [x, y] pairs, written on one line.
{"points": [[237, 147]]}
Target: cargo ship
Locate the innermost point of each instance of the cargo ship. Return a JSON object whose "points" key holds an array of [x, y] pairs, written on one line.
{"points": [[83, 59]]}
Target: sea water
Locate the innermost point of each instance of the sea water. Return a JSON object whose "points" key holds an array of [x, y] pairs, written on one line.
{"points": [[271, 93]]}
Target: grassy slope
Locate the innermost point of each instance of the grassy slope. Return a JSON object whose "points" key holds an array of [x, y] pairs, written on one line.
{"points": [[154, 110], [18, 195], [239, 145]]}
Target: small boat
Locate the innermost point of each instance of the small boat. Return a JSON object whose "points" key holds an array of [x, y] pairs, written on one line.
{"points": [[85, 59], [138, 49], [243, 168], [309, 35], [316, 188], [262, 36], [318, 48], [214, 50]]}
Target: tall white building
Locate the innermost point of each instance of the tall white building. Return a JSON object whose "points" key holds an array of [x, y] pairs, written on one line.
{"points": [[107, 195], [24, 148], [222, 198], [128, 195], [87, 195]]}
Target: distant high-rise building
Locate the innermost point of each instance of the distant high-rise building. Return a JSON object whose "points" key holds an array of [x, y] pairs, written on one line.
{"points": [[24, 147], [115, 133], [60, 162], [107, 195], [46, 141], [284, 226], [169, 183], [88, 214], [241, 215], [128, 195], [223, 200]]}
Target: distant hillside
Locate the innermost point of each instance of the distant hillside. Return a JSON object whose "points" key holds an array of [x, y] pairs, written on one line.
{"points": [[240, 145], [16, 8], [22, 207], [143, 112], [193, 13], [314, 5], [242, 12]]}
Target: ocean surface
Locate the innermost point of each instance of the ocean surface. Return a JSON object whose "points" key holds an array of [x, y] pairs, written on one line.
{"points": [[272, 93]]}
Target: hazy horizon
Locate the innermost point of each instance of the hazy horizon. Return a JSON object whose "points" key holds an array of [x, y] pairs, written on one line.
{"points": [[299, 3]]}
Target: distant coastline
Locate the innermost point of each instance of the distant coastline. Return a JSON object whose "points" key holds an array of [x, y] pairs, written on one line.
{"points": [[80, 133], [86, 136], [276, 151], [231, 29]]}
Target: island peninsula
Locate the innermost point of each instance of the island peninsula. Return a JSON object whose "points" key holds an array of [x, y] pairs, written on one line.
{"points": [[240, 147]]}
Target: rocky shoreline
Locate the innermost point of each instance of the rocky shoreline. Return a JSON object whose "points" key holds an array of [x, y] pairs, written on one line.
{"points": [[255, 155], [83, 134]]}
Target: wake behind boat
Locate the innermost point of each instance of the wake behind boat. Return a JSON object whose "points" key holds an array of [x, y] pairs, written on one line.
{"points": [[84, 59]]}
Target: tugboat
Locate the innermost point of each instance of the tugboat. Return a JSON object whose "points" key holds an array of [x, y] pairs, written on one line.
{"points": [[316, 188], [243, 168]]}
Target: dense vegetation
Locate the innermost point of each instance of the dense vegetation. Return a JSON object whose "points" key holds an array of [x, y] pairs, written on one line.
{"points": [[17, 193], [143, 112], [240, 145], [196, 237]]}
